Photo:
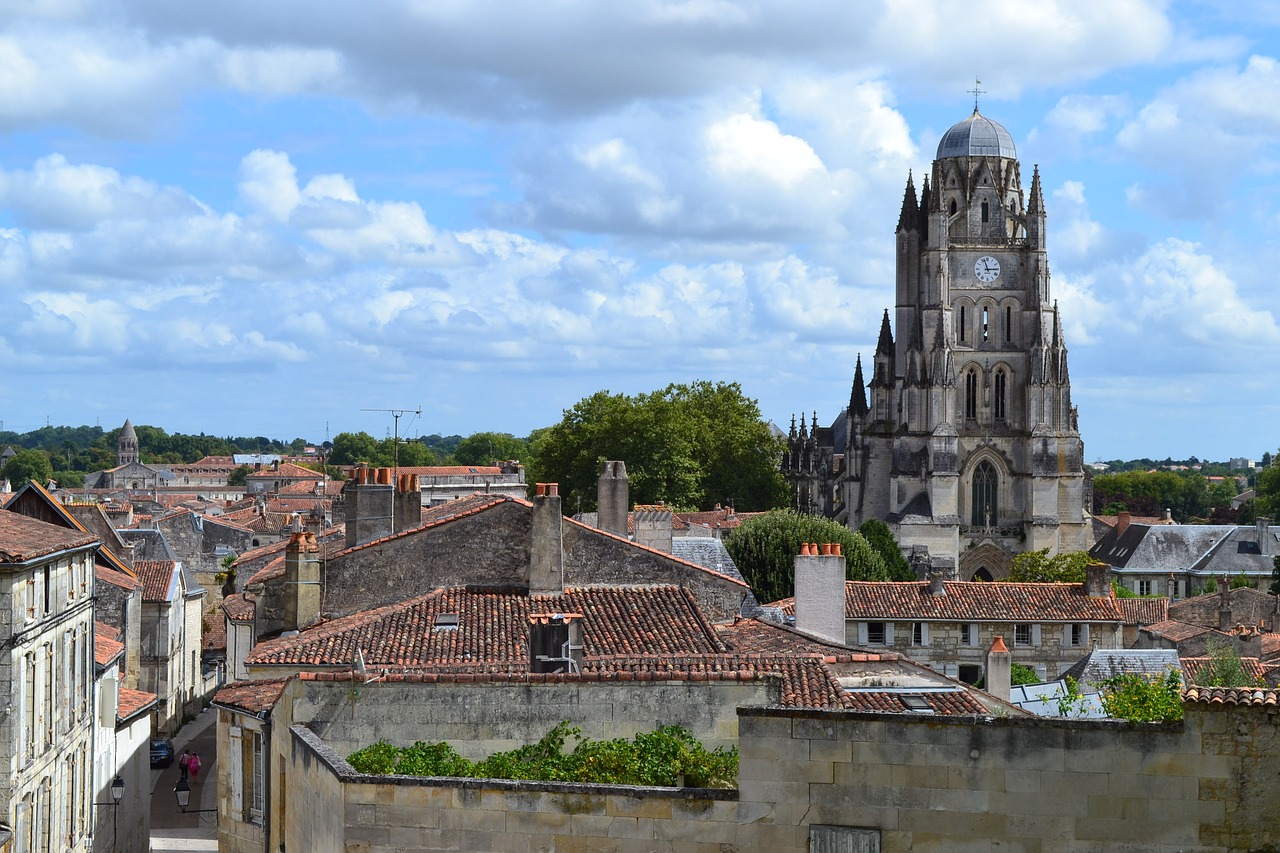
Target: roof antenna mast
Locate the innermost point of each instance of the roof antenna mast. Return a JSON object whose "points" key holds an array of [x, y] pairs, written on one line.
{"points": [[397, 414]]}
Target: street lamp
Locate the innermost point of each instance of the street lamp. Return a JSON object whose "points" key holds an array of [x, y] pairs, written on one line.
{"points": [[182, 791], [117, 794]]}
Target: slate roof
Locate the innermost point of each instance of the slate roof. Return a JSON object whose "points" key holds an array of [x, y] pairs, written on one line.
{"points": [[1101, 664], [973, 601], [256, 697], [23, 538], [706, 551], [1166, 548], [1143, 611], [1198, 667], [157, 578]]}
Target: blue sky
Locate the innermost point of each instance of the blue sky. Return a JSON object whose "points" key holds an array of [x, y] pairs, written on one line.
{"points": [[248, 218]]}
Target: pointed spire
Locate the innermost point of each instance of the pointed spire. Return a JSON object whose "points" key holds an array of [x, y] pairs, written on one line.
{"points": [[804, 430], [917, 333], [1036, 204], [885, 344], [858, 399], [1058, 339], [926, 199], [793, 426], [908, 219]]}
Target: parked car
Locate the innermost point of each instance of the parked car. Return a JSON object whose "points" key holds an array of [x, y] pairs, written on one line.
{"points": [[161, 752]]}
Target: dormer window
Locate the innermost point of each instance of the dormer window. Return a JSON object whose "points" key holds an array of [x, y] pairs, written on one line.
{"points": [[555, 642], [446, 622]]}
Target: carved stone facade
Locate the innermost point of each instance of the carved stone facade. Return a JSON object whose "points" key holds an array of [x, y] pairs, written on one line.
{"points": [[965, 440]]}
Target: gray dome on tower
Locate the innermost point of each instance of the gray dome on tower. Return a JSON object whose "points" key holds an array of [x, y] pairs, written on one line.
{"points": [[977, 136]]}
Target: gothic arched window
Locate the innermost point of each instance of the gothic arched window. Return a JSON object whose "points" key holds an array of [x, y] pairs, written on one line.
{"points": [[1001, 381], [985, 212], [971, 395], [1008, 324], [986, 325], [984, 495], [953, 207], [962, 324]]}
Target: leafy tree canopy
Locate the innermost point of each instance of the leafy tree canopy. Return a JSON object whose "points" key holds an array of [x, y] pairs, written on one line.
{"points": [[237, 476], [881, 540], [765, 546], [1039, 567], [27, 465], [1267, 498], [1136, 697], [688, 446], [485, 448]]}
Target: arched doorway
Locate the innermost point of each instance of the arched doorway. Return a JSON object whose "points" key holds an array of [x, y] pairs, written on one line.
{"points": [[985, 562], [982, 574]]}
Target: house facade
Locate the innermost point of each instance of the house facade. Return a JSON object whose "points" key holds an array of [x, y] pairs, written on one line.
{"points": [[170, 659], [46, 738]]}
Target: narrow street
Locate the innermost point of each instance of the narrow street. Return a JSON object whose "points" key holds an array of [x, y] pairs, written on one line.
{"points": [[171, 829]]}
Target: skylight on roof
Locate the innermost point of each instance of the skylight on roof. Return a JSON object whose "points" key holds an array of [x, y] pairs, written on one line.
{"points": [[446, 622], [915, 703]]}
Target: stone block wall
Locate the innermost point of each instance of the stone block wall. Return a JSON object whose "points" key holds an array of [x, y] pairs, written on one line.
{"points": [[486, 717]]}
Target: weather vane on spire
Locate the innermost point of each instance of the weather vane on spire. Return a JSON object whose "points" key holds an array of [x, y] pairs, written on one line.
{"points": [[975, 91]]}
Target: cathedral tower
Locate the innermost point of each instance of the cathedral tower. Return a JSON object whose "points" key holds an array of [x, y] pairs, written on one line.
{"points": [[969, 444], [127, 445]]}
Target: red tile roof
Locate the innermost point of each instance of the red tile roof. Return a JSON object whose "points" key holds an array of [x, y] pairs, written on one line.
{"points": [[493, 629], [287, 470], [252, 696], [213, 636], [1143, 611], [1177, 631], [1198, 667], [273, 569], [760, 637], [106, 643], [973, 600], [1232, 696], [239, 607], [451, 470], [133, 702], [115, 578], [23, 539], [946, 702], [302, 488], [156, 577]]}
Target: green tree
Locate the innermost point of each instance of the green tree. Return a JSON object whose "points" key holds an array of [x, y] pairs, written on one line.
{"points": [[1275, 576], [688, 446], [237, 476], [1143, 699], [352, 448], [765, 546], [1224, 667], [1022, 674], [27, 465], [485, 448], [1267, 492], [880, 538], [1039, 567]]}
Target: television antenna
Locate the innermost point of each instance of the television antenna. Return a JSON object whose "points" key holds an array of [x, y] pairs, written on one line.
{"points": [[396, 415]]}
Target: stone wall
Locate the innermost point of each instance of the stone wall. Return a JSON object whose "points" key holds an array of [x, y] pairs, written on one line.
{"points": [[896, 782], [486, 717]]}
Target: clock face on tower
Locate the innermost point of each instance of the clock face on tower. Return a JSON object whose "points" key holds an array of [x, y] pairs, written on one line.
{"points": [[987, 268]]}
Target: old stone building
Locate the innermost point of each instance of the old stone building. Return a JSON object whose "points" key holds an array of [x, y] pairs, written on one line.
{"points": [[965, 440], [46, 734]]}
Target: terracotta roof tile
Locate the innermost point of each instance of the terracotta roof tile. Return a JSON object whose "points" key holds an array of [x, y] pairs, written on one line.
{"points": [[1198, 667], [944, 702], [239, 607], [1232, 696], [106, 643], [133, 702], [1143, 611], [115, 578], [214, 636], [255, 697], [156, 577], [451, 470], [973, 600], [23, 539], [287, 470], [1177, 631], [493, 629], [273, 569]]}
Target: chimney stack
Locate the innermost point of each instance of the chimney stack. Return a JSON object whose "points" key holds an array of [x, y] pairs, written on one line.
{"points": [[936, 586], [999, 669], [371, 508], [546, 548], [653, 527], [613, 498], [1225, 622], [1122, 522], [1097, 580], [820, 592], [301, 581], [1265, 546]]}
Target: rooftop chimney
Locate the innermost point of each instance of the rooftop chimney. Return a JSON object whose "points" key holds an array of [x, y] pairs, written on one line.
{"points": [[1225, 622], [370, 500], [1097, 580], [936, 586], [546, 548], [1265, 541], [613, 498], [820, 596], [999, 669], [653, 527], [301, 581], [1122, 522]]}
